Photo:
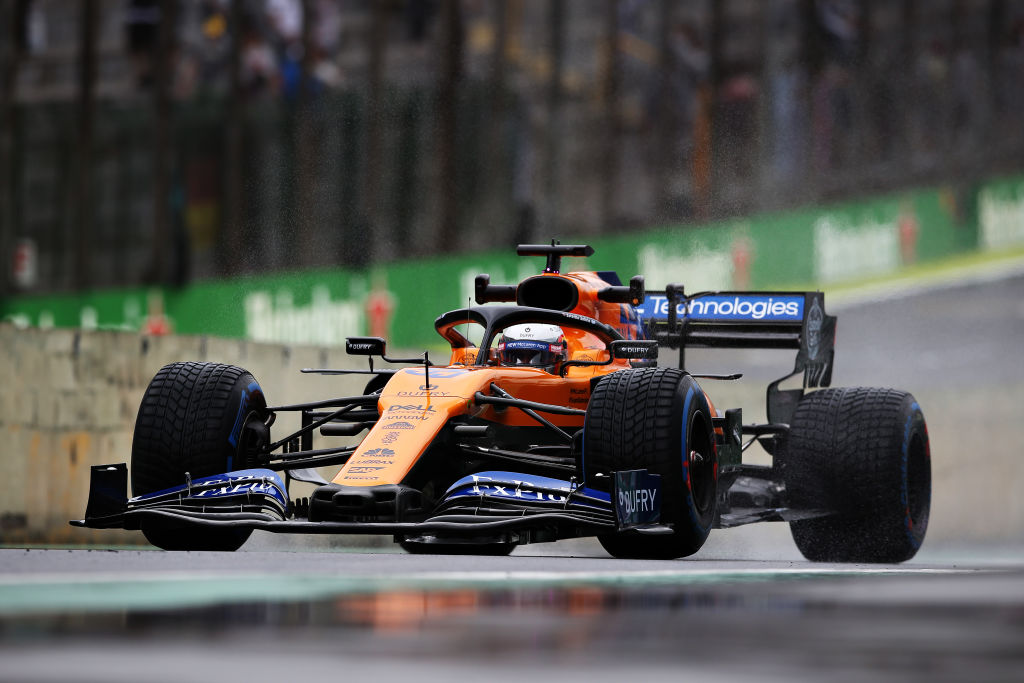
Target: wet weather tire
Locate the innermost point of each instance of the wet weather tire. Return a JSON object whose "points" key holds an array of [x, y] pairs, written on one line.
{"points": [[656, 419], [190, 421], [865, 454]]}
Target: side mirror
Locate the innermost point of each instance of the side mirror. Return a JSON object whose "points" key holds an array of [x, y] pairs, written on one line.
{"points": [[634, 349], [364, 346], [634, 294], [485, 292]]}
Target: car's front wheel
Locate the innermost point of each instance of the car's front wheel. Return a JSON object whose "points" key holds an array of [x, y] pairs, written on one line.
{"points": [[192, 420], [656, 419]]}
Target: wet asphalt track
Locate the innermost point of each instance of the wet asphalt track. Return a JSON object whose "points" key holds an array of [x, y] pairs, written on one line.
{"points": [[745, 608], [272, 616]]}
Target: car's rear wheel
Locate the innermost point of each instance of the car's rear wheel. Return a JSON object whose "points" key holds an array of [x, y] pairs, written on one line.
{"points": [[192, 420], [656, 419], [864, 454]]}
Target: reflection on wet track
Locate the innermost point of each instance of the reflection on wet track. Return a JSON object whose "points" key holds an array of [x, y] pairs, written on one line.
{"points": [[795, 621]]}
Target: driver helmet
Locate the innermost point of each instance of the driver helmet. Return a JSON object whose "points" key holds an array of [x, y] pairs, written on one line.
{"points": [[532, 344]]}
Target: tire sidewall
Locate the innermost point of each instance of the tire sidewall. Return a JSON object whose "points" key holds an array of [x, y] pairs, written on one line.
{"points": [[695, 514], [915, 482], [247, 402]]}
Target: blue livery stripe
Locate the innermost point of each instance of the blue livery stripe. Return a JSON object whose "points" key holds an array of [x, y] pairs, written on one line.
{"points": [[726, 308]]}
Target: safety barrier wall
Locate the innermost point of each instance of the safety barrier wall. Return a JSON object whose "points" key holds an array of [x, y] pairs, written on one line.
{"points": [[69, 399]]}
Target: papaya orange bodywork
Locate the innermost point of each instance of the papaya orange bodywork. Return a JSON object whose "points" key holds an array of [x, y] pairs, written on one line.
{"points": [[413, 412]]}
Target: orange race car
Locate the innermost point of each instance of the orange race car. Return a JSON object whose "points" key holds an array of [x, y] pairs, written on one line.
{"points": [[551, 420]]}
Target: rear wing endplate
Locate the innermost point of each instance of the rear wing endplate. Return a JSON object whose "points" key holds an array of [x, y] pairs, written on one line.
{"points": [[745, 320]]}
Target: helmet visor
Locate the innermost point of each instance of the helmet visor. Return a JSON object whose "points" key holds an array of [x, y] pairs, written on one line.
{"points": [[529, 352]]}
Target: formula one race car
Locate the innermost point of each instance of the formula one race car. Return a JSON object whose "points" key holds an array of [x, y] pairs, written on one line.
{"points": [[551, 420]]}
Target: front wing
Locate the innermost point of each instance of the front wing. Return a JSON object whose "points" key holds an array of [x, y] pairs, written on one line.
{"points": [[481, 504]]}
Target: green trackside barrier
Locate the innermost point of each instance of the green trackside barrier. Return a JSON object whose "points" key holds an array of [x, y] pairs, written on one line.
{"points": [[814, 247], [1000, 214]]}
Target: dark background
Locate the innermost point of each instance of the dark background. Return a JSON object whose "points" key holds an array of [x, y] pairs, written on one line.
{"points": [[152, 141]]}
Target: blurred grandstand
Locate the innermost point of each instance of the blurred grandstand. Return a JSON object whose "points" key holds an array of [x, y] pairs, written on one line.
{"points": [[153, 141]]}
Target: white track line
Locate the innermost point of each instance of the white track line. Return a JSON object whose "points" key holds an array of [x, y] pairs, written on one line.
{"points": [[904, 286]]}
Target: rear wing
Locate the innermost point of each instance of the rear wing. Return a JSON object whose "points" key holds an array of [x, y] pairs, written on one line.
{"points": [[745, 320]]}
